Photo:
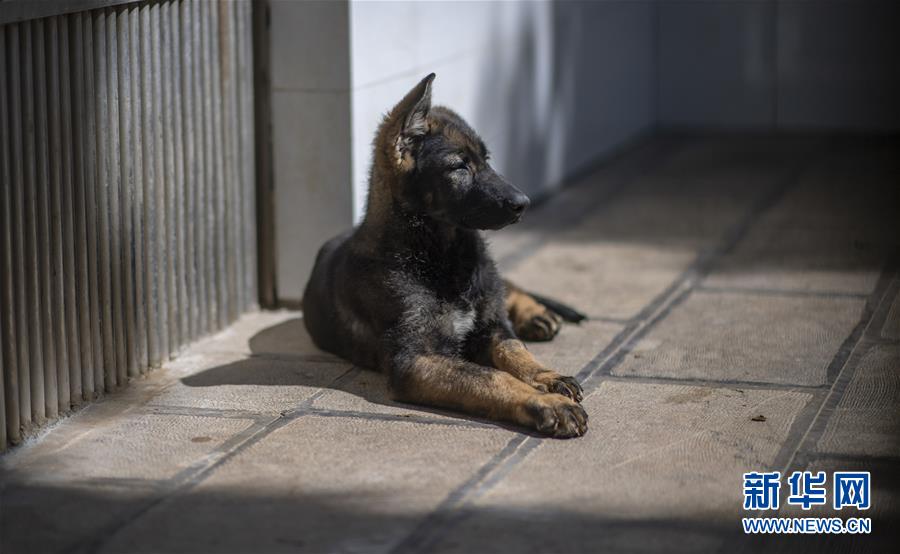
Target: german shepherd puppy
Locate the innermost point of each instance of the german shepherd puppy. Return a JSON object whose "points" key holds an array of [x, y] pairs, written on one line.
{"points": [[412, 291]]}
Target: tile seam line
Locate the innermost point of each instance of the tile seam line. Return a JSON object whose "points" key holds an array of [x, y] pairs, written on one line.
{"points": [[716, 383], [783, 292], [846, 371], [840, 456], [321, 411], [192, 476], [802, 452], [651, 314], [696, 434], [691, 279], [607, 196]]}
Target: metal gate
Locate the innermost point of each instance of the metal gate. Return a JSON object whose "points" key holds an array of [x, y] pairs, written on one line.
{"points": [[127, 209]]}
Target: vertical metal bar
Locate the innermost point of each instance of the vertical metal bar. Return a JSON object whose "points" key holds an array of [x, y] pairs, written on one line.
{"points": [[207, 219], [58, 312], [2, 399], [247, 153], [202, 201], [148, 145], [117, 240], [101, 117], [234, 246], [81, 186], [168, 144], [20, 252], [141, 277], [192, 165], [220, 187], [183, 311], [159, 187], [265, 228], [42, 186], [225, 31], [126, 153], [92, 211], [8, 337], [69, 208], [31, 260], [240, 163]]}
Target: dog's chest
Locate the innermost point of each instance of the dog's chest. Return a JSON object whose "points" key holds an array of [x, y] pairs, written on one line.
{"points": [[462, 321]]}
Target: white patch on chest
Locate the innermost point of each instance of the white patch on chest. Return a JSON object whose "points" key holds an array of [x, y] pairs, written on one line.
{"points": [[463, 322]]}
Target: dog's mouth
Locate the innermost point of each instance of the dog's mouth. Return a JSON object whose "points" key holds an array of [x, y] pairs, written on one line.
{"points": [[478, 224]]}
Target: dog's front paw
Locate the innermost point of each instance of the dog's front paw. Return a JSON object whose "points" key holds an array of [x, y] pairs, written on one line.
{"points": [[551, 381], [538, 326], [557, 416]]}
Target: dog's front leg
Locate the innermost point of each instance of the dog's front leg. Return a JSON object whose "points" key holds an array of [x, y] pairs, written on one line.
{"points": [[457, 384], [510, 355]]}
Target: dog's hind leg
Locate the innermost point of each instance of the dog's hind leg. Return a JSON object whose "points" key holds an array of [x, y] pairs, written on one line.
{"points": [[446, 382], [535, 318]]}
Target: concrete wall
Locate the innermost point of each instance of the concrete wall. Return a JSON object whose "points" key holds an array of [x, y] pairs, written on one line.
{"points": [[786, 64], [310, 87], [546, 84]]}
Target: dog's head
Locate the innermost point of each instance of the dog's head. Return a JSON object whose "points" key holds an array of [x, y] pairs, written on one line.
{"points": [[440, 166]]}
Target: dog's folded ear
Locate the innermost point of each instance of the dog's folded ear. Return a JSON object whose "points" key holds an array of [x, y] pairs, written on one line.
{"points": [[404, 124]]}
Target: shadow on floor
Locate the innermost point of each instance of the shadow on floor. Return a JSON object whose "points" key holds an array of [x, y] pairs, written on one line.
{"points": [[285, 356], [248, 518]]}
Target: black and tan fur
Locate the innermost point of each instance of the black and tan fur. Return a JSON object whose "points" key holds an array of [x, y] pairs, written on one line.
{"points": [[413, 292]]}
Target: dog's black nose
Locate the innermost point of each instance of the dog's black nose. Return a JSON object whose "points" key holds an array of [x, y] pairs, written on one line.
{"points": [[518, 203]]}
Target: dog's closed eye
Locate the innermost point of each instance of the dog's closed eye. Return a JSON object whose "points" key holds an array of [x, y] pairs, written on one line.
{"points": [[456, 163]]}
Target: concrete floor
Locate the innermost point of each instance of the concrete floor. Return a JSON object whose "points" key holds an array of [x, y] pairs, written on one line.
{"points": [[726, 278]]}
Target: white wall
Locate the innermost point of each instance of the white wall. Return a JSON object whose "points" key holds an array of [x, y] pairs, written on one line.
{"points": [[549, 86], [310, 84]]}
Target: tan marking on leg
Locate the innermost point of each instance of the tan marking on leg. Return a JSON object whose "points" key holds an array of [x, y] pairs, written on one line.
{"points": [[486, 392], [531, 320], [511, 356]]}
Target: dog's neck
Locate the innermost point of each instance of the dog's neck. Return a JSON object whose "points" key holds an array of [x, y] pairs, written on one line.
{"points": [[392, 226]]}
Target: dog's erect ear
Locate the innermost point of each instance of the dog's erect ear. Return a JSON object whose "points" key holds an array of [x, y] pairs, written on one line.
{"points": [[413, 109], [408, 122]]}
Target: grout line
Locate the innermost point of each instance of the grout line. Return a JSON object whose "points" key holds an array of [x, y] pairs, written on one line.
{"points": [[449, 513], [610, 357], [184, 480], [613, 320], [879, 320], [168, 409], [715, 383], [200, 470], [798, 448], [658, 155], [782, 292], [602, 365], [443, 515], [412, 417], [840, 372], [408, 418], [131, 483], [851, 458]]}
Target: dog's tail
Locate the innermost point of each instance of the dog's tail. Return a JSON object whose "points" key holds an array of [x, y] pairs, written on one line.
{"points": [[568, 313]]}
